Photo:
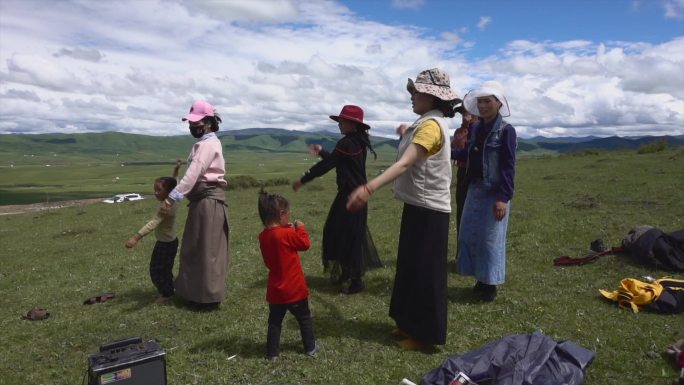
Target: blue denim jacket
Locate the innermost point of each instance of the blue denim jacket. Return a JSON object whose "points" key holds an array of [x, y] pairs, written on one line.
{"points": [[493, 177], [491, 174]]}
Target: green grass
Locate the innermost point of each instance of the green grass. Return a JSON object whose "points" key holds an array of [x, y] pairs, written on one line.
{"points": [[57, 258], [80, 177]]}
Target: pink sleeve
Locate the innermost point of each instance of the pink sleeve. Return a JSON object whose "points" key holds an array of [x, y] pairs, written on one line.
{"points": [[206, 165], [198, 166]]}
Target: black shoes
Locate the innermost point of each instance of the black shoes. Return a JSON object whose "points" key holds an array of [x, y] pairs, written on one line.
{"points": [[486, 293], [356, 286], [342, 278], [313, 351], [203, 307]]}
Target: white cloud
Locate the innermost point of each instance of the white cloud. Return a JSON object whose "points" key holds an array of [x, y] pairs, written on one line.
{"points": [[90, 66], [246, 11], [674, 9], [615, 90], [484, 22], [81, 53], [452, 37]]}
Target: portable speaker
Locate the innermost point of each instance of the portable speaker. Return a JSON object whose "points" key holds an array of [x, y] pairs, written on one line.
{"points": [[128, 362]]}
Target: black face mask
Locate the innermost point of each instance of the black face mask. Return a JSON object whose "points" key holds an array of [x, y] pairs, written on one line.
{"points": [[197, 131]]}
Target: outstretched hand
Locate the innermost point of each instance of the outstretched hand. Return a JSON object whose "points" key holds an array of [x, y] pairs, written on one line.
{"points": [[296, 185], [132, 241], [401, 129], [315, 149]]}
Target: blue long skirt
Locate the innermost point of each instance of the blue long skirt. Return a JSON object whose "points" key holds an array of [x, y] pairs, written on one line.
{"points": [[481, 238]]}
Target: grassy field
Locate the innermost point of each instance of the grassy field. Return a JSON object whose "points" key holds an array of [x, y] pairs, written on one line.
{"points": [[79, 178], [58, 258]]}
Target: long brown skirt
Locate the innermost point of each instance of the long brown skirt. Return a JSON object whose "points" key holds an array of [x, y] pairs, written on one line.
{"points": [[204, 252]]}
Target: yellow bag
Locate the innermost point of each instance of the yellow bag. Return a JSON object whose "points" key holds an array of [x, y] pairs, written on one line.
{"points": [[633, 293]]}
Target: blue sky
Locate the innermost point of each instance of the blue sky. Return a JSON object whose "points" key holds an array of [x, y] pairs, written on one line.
{"points": [[489, 25], [570, 68]]}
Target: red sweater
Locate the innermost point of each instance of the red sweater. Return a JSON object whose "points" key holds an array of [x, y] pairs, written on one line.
{"points": [[279, 246]]}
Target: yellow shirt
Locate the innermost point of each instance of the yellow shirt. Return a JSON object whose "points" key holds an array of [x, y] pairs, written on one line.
{"points": [[429, 136]]}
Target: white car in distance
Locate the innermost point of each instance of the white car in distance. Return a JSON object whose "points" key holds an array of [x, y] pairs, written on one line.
{"points": [[118, 198]]}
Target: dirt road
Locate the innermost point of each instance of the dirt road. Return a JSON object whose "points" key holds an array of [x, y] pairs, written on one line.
{"points": [[20, 209]]}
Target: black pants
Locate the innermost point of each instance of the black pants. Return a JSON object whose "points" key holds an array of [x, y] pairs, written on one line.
{"points": [[161, 266], [300, 310]]}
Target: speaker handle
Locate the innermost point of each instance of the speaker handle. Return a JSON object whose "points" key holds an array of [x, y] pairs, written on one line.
{"points": [[120, 343]]}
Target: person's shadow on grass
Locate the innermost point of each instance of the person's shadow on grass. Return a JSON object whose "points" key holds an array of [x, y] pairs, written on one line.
{"points": [[235, 345], [462, 295], [138, 298], [330, 321]]}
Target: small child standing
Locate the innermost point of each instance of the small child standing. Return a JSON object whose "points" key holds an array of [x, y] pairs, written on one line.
{"points": [[164, 252], [279, 242]]}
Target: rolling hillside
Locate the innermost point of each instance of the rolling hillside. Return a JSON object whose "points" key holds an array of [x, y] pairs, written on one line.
{"points": [[115, 146]]}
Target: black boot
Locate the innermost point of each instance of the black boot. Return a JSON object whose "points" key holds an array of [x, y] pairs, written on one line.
{"points": [[355, 286], [487, 293], [342, 278]]}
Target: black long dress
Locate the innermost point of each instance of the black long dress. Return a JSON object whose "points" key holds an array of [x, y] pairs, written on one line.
{"points": [[346, 239]]}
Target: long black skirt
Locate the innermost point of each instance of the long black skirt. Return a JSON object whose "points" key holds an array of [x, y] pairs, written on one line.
{"points": [[347, 245], [419, 298]]}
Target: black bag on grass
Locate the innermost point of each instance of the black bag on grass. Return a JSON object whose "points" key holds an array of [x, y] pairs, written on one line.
{"points": [[651, 246]]}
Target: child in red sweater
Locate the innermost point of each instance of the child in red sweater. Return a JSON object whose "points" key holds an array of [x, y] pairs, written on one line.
{"points": [[279, 242]]}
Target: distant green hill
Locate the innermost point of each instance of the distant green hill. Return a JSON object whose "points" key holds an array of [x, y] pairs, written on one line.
{"points": [[568, 145], [106, 146], [127, 148]]}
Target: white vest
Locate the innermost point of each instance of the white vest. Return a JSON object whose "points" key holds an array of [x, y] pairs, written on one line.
{"points": [[427, 182]]}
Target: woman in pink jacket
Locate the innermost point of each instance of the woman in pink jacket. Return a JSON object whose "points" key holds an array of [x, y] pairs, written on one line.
{"points": [[204, 248]]}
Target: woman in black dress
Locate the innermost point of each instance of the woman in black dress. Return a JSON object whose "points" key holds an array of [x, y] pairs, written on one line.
{"points": [[347, 246]]}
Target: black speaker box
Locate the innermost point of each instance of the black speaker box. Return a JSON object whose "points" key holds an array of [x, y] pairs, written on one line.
{"points": [[128, 362]]}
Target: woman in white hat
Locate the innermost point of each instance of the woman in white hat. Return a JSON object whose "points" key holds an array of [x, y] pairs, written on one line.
{"points": [[204, 250], [490, 171], [422, 177]]}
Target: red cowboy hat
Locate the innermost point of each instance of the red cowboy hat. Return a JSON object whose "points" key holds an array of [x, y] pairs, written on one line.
{"points": [[353, 113]]}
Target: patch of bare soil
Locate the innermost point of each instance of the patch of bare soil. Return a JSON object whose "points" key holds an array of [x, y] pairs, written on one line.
{"points": [[34, 207]]}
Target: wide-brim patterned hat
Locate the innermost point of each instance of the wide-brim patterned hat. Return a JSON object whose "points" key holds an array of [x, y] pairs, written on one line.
{"points": [[488, 88], [433, 82]]}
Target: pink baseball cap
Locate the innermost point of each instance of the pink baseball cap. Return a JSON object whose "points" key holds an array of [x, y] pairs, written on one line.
{"points": [[199, 110]]}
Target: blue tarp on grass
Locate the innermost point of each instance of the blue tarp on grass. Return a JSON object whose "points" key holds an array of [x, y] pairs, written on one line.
{"points": [[517, 360]]}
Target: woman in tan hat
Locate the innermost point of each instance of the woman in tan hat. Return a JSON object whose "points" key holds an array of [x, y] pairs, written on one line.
{"points": [[347, 246], [422, 176]]}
